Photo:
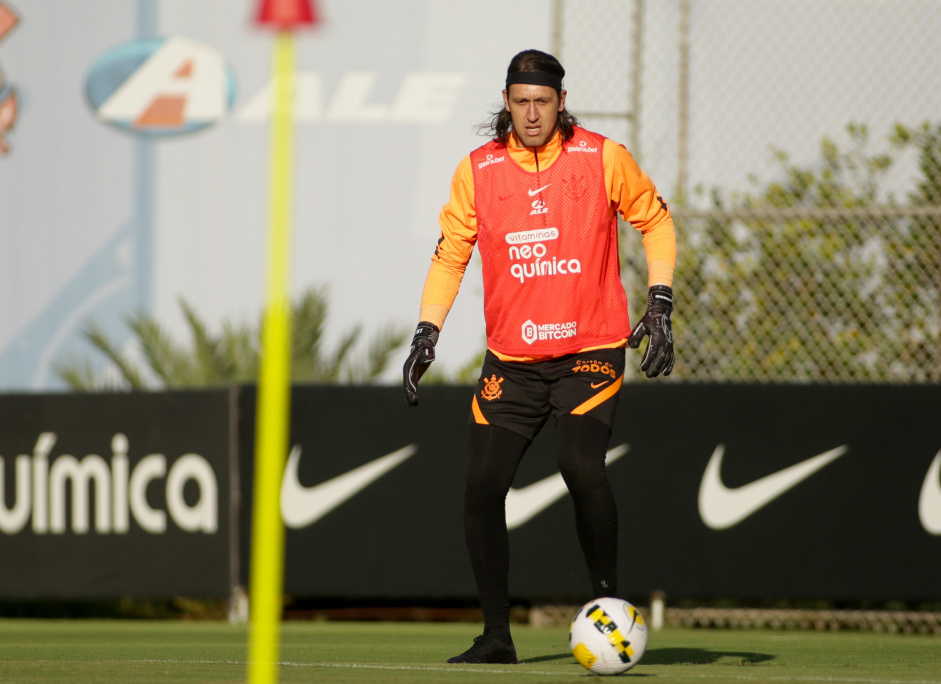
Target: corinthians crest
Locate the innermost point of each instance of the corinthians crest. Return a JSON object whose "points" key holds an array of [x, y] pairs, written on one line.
{"points": [[492, 389], [574, 187]]}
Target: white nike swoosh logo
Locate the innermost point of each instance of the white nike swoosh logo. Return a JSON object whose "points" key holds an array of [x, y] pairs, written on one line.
{"points": [[538, 190], [929, 502], [721, 507], [302, 506], [524, 504]]}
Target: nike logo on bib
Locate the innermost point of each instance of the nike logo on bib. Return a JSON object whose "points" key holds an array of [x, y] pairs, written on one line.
{"points": [[525, 503], [535, 192], [302, 506], [721, 507]]}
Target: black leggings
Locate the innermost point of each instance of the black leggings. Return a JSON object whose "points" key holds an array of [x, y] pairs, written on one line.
{"points": [[494, 453]]}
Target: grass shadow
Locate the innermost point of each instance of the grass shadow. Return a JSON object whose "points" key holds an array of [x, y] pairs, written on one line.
{"points": [[701, 656], [546, 658], [673, 656]]}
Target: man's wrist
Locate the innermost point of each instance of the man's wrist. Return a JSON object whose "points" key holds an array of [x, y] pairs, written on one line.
{"points": [[427, 330], [660, 296]]}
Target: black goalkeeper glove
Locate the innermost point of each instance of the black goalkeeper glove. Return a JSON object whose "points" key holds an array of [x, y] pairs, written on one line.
{"points": [[420, 356], [658, 358]]}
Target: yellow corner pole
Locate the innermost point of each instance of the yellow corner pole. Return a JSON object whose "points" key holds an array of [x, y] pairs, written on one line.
{"points": [[274, 388]]}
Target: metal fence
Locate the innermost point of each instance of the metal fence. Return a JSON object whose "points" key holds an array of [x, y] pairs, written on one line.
{"points": [[798, 144], [821, 620]]}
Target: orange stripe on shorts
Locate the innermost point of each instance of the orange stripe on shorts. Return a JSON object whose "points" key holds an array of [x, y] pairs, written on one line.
{"points": [[478, 414], [598, 399]]}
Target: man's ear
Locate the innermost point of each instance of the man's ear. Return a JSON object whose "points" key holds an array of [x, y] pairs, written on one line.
{"points": [[506, 101], [562, 100]]}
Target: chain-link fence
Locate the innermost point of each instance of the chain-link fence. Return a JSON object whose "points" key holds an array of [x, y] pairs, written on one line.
{"points": [[798, 144], [827, 619]]}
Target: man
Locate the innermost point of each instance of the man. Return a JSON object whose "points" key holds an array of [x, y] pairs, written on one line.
{"points": [[540, 202]]}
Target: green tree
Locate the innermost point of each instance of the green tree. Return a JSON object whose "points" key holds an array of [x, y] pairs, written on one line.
{"points": [[820, 275], [231, 355]]}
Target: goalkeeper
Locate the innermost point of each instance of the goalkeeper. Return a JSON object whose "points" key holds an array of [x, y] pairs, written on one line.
{"points": [[540, 201]]}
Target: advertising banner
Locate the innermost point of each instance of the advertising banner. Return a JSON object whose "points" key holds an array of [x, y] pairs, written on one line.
{"points": [[723, 491], [371, 495], [792, 491], [113, 495]]}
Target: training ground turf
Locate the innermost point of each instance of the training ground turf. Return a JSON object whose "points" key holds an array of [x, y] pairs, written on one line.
{"points": [[132, 652]]}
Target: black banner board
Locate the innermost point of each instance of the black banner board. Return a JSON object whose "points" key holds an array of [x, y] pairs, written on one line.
{"points": [[734, 491], [115, 495], [724, 491]]}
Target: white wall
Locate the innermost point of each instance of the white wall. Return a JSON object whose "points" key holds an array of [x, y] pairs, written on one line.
{"points": [[96, 221]]}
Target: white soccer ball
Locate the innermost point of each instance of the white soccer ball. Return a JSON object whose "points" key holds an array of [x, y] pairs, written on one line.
{"points": [[608, 636]]}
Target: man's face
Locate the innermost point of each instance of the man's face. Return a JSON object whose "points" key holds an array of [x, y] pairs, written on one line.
{"points": [[534, 110]]}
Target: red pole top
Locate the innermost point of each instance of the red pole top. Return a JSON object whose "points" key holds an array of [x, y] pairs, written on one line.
{"points": [[286, 15]]}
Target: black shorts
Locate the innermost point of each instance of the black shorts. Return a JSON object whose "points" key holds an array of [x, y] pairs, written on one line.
{"points": [[522, 396]]}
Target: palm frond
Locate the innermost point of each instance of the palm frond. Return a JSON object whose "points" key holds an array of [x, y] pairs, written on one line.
{"points": [[233, 355], [78, 374], [309, 319], [96, 335], [239, 343], [470, 371], [333, 365], [211, 367], [169, 362], [379, 352]]}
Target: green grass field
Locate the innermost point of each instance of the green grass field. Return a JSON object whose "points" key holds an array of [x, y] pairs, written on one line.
{"points": [[129, 652]]}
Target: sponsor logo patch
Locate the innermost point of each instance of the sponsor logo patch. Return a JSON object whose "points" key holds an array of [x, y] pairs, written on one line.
{"points": [[582, 147], [527, 247], [492, 389], [524, 236], [491, 160], [539, 207], [533, 332], [594, 366]]}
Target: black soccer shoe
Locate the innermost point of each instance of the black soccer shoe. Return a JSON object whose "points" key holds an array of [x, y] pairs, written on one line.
{"points": [[487, 650]]}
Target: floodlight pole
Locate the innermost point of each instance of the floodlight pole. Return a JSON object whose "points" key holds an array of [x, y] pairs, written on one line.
{"points": [[272, 427]]}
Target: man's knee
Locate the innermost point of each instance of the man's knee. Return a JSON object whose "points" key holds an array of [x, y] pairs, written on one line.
{"points": [[493, 456], [583, 446]]}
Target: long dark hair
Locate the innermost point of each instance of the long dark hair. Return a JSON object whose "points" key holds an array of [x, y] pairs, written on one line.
{"points": [[501, 122]]}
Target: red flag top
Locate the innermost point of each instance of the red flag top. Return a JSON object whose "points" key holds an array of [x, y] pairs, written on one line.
{"points": [[287, 15]]}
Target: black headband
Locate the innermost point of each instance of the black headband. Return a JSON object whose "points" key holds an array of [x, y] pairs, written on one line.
{"points": [[540, 78]]}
